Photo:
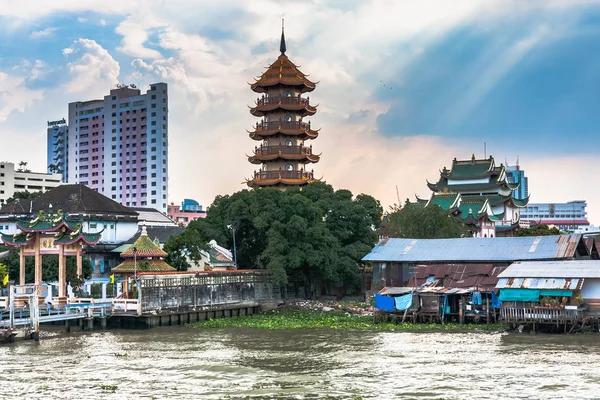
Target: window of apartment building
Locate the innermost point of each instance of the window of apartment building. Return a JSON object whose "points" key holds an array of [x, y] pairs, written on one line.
{"points": [[153, 114], [114, 106], [153, 184], [153, 140], [153, 123], [153, 131], [113, 188], [153, 193], [114, 122], [153, 105], [153, 158], [153, 201], [153, 97], [164, 126], [153, 175]]}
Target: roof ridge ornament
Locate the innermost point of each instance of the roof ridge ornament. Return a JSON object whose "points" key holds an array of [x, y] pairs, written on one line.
{"points": [[282, 41]]}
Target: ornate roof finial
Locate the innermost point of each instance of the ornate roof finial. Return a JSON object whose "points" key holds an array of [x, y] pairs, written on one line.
{"points": [[282, 43]]}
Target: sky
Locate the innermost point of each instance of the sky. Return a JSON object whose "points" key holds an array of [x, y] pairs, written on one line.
{"points": [[403, 86]]}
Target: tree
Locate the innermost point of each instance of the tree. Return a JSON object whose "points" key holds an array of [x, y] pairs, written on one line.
{"points": [[431, 222], [23, 195], [54, 169], [23, 167], [538, 230], [309, 235]]}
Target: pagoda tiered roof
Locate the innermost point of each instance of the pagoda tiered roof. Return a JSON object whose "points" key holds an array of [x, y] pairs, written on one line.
{"points": [[283, 72], [299, 129]]}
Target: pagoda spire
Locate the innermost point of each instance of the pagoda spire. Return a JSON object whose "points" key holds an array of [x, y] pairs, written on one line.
{"points": [[282, 42]]}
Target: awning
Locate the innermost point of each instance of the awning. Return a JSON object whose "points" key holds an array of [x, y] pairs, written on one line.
{"points": [[532, 295]]}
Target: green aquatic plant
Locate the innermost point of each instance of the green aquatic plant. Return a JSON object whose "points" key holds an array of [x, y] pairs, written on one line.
{"points": [[308, 319], [108, 388]]}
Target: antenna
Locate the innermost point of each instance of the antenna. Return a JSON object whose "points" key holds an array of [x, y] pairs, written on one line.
{"points": [[398, 195]]}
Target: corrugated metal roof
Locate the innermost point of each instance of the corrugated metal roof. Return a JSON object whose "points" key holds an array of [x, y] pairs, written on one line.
{"points": [[456, 275], [395, 291], [540, 283], [476, 249], [553, 269]]}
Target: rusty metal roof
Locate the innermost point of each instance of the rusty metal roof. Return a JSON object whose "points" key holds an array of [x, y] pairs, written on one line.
{"points": [[395, 291], [540, 283], [553, 269], [456, 275], [478, 249]]}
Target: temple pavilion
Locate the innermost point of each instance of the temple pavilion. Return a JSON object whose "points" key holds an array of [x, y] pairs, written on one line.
{"points": [[477, 192], [50, 233], [282, 154], [144, 256]]}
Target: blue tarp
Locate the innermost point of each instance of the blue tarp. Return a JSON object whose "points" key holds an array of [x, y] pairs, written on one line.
{"points": [[559, 293], [384, 303], [496, 303], [520, 295], [403, 302]]}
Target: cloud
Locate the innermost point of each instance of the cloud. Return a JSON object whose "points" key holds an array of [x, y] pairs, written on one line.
{"points": [[44, 33], [14, 95], [102, 22], [81, 19], [93, 71], [134, 30]]}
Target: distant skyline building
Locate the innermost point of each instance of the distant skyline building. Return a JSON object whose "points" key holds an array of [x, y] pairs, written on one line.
{"points": [[515, 175], [57, 135], [570, 216], [118, 146], [22, 179]]}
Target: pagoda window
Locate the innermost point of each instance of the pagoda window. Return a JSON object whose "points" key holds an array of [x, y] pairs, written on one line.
{"points": [[289, 167], [287, 118], [287, 94], [288, 143]]}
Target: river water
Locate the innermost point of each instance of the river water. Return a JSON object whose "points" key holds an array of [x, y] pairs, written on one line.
{"points": [[186, 363]]}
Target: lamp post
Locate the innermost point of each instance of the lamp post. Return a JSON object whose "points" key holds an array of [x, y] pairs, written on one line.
{"points": [[234, 249]]}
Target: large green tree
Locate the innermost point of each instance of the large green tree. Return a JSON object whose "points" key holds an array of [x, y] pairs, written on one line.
{"points": [[308, 235], [22, 195], [538, 230], [431, 222]]}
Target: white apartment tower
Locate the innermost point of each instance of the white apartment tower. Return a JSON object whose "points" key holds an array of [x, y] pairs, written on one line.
{"points": [[118, 146]]}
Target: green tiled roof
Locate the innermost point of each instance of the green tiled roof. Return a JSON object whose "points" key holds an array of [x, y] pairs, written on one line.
{"points": [[143, 266], [445, 201]]}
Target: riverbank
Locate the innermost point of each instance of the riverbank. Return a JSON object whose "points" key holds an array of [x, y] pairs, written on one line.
{"points": [[341, 316]]}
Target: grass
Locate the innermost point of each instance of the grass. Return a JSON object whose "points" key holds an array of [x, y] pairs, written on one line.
{"points": [[287, 318]]}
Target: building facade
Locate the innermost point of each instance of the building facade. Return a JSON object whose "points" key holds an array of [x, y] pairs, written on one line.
{"points": [[21, 180], [118, 146], [57, 147], [479, 193], [283, 157], [515, 175], [189, 211], [569, 216]]}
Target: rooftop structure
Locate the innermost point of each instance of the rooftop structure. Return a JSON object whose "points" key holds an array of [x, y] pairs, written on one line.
{"points": [[57, 147], [118, 146], [21, 179], [479, 193], [283, 156], [189, 211]]}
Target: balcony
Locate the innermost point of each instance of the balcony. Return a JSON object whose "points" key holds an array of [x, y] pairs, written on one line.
{"points": [[265, 175], [283, 100], [540, 314], [292, 150], [282, 125]]}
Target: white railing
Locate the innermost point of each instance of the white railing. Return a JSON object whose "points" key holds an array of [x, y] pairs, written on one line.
{"points": [[127, 305]]}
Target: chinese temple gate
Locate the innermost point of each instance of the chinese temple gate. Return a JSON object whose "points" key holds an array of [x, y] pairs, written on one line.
{"points": [[50, 234], [282, 132]]}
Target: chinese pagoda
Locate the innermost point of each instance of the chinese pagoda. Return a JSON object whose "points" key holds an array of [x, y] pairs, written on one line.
{"points": [[477, 192], [282, 132]]}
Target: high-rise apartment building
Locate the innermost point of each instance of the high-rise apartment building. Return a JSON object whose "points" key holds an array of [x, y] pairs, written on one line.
{"points": [[514, 174], [118, 146], [57, 134]]}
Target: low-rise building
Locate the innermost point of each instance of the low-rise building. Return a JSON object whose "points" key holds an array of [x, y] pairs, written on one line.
{"points": [[21, 179], [189, 211], [569, 216]]}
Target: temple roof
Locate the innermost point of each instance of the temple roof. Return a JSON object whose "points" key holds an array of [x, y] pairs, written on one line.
{"points": [[71, 199], [471, 169], [150, 265], [306, 157], [302, 132], [145, 247], [283, 72], [268, 104]]}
